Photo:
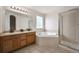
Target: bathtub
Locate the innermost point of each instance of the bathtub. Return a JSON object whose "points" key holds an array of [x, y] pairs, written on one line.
{"points": [[47, 34], [47, 39]]}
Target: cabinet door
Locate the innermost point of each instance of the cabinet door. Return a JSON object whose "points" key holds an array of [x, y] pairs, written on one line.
{"points": [[23, 40], [23, 43], [33, 38], [16, 44], [30, 39], [7, 45]]}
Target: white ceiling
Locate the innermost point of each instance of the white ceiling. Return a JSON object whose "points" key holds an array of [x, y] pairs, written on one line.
{"points": [[49, 9]]}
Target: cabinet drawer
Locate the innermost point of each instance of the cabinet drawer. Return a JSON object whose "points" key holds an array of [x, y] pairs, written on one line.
{"points": [[22, 38], [31, 33], [8, 37]]}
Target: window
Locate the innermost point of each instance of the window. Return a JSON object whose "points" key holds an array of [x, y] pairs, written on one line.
{"points": [[39, 22]]}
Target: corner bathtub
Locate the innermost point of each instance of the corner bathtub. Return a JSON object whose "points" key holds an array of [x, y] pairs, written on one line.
{"points": [[48, 39]]}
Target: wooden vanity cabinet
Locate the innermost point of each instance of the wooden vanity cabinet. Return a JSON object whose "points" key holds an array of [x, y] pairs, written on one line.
{"points": [[14, 42]]}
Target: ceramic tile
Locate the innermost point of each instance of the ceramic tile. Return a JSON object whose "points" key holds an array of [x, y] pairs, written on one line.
{"points": [[44, 45]]}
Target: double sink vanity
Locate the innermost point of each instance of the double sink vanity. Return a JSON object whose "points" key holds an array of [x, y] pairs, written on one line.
{"points": [[16, 40], [17, 29]]}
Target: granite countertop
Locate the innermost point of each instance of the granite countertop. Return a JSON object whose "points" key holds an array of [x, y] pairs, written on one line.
{"points": [[13, 33]]}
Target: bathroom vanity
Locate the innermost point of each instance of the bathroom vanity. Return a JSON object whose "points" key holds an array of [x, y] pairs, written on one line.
{"points": [[16, 40], [16, 29]]}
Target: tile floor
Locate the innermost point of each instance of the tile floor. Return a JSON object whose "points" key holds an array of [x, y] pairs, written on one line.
{"points": [[44, 45], [41, 49]]}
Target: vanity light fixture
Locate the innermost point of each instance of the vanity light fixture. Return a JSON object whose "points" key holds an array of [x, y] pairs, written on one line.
{"points": [[19, 9]]}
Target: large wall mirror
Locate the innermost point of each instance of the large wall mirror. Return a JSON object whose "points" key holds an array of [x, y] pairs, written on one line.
{"points": [[12, 23], [16, 21]]}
